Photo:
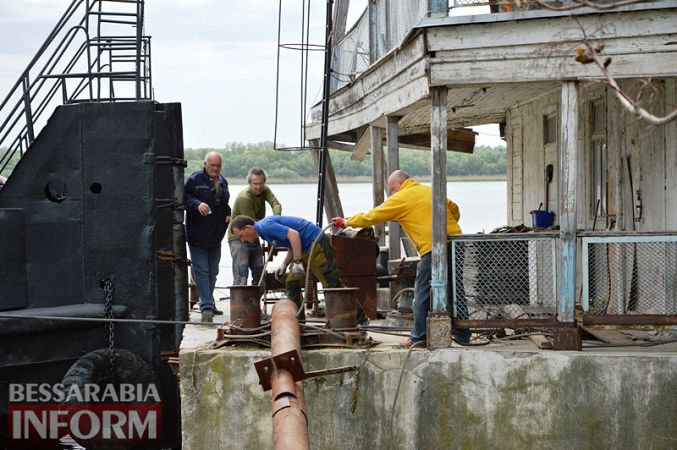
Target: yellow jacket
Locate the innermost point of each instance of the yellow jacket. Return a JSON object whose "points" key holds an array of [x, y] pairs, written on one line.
{"points": [[411, 206]]}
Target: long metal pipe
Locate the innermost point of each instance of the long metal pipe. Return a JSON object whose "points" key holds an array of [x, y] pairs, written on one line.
{"points": [[290, 424]]}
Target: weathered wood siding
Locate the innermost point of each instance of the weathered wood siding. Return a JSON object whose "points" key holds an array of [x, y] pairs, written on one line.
{"points": [[528, 155], [543, 49], [652, 151]]}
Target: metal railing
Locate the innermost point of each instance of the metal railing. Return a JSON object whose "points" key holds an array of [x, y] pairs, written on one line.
{"points": [[96, 52], [502, 280], [629, 278]]}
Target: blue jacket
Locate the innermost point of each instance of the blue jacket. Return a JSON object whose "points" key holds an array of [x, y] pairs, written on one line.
{"points": [[206, 231]]}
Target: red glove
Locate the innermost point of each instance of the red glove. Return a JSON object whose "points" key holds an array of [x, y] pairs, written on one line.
{"points": [[339, 222]]}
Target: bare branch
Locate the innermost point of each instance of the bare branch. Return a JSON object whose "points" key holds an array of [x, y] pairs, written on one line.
{"points": [[591, 55]]}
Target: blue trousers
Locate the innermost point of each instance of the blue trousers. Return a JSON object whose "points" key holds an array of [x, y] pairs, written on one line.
{"points": [[422, 295], [246, 256], [206, 268]]}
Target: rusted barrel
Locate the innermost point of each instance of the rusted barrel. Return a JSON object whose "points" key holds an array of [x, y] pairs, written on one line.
{"points": [[245, 309], [341, 307]]}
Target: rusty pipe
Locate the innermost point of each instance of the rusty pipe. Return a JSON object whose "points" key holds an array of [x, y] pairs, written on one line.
{"points": [[290, 424]]}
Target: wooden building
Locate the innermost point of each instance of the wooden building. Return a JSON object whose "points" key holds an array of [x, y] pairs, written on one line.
{"points": [[421, 85]]}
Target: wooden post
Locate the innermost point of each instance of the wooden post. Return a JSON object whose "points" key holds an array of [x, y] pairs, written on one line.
{"points": [[569, 165], [393, 164], [332, 200], [439, 8], [378, 176], [439, 325]]}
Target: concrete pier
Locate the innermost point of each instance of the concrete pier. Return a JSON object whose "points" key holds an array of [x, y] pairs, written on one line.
{"points": [[460, 398]]}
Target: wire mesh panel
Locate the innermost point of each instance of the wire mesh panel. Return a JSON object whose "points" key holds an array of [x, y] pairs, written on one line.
{"points": [[504, 278], [391, 21], [628, 275], [351, 55]]}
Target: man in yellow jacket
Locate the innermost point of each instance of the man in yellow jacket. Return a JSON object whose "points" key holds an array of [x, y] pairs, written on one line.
{"points": [[410, 204]]}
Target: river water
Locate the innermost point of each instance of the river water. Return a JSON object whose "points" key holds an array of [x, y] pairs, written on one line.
{"points": [[483, 206]]}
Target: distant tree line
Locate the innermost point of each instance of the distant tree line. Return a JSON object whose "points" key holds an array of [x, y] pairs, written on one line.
{"points": [[292, 166]]}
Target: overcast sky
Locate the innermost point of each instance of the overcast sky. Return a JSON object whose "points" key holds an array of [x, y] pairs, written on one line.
{"points": [[216, 57]]}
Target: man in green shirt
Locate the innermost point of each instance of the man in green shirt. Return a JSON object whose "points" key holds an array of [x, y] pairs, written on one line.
{"points": [[251, 203]]}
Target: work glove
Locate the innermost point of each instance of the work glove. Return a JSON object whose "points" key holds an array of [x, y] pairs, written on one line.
{"points": [[339, 222], [280, 273], [297, 270]]}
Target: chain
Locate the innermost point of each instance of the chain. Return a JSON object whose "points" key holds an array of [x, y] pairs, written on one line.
{"points": [[110, 325]]}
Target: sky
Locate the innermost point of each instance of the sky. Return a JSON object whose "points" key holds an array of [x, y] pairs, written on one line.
{"points": [[216, 57]]}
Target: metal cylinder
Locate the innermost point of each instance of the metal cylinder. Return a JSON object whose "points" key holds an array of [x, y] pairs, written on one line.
{"points": [[341, 307], [245, 309], [290, 424]]}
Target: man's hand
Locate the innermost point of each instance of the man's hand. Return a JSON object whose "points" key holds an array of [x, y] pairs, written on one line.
{"points": [[280, 273], [297, 270], [339, 222], [228, 220], [204, 209]]}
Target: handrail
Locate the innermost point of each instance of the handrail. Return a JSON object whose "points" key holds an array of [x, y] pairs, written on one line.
{"points": [[84, 63]]}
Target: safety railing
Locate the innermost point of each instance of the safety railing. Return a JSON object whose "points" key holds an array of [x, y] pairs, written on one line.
{"points": [[504, 280], [629, 278], [96, 52]]}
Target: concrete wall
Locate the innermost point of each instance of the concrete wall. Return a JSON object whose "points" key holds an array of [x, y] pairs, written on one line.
{"points": [[457, 398]]}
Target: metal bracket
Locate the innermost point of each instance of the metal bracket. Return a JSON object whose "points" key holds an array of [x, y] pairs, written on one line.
{"points": [[291, 362]]}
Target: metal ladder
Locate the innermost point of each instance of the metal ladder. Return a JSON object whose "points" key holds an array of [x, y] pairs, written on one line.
{"points": [[97, 52]]}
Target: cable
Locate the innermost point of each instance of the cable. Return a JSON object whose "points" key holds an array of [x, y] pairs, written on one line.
{"points": [[646, 344], [399, 383]]}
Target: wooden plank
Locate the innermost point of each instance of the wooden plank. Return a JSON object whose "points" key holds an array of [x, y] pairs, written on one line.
{"points": [[515, 311], [438, 138], [458, 140], [362, 147], [652, 64], [392, 142], [569, 164], [558, 29], [671, 158], [332, 198], [340, 19], [614, 337], [378, 176]]}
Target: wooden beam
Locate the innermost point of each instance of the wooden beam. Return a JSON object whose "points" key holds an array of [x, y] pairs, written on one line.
{"points": [[459, 140], [378, 175], [332, 199], [340, 19], [569, 167], [362, 147], [343, 146], [393, 164]]}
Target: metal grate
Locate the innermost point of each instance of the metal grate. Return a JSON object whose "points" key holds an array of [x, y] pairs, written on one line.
{"points": [[627, 275], [504, 277]]}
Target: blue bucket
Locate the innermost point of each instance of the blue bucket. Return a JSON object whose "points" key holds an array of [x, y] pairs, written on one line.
{"points": [[542, 219]]}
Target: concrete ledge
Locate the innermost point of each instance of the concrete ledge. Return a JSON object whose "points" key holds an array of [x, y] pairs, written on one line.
{"points": [[455, 398]]}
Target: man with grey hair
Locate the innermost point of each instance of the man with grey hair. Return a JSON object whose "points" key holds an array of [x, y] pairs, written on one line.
{"points": [[251, 202], [207, 216]]}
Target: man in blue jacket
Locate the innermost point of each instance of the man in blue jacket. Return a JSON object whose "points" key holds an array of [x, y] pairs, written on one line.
{"points": [[299, 236], [207, 217]]}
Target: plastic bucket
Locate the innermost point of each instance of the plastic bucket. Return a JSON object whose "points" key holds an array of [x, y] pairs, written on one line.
{"points": [[542, 219]]}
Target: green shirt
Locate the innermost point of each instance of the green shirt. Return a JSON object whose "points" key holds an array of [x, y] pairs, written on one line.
{"points": [[254, 206]]}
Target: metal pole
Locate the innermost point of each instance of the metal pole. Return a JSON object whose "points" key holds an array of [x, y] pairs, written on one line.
{"points": [[290, 424], [325, 115]]}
